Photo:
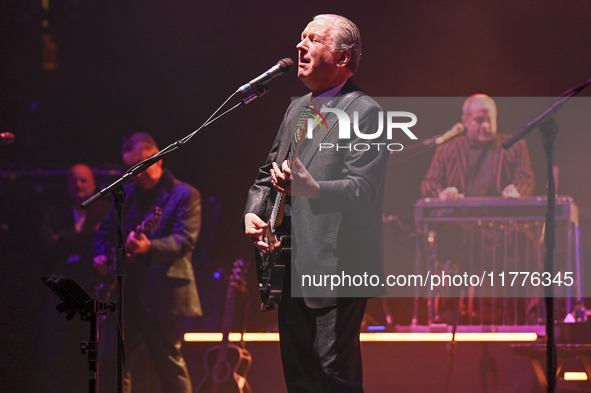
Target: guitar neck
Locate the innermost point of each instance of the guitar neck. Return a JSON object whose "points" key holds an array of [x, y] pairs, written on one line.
{"points": [[227, 320], [276, 216], [150, 224], [276, 210]]}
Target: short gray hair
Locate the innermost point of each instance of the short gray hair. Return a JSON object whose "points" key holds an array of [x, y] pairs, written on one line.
{"points": [[345, 36], [139, 139]]}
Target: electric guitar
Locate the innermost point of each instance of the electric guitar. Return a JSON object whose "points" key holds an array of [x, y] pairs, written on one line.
{"points": [[271, 265], [107, 285], [227, 364]]}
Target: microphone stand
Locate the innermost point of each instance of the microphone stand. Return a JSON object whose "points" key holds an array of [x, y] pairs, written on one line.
{"points": [[414, 150], [420, 147], [116, 188], [549, 129]]}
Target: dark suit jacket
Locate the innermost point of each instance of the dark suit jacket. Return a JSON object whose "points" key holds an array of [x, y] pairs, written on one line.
{"points": [[449, 167], [340, 233], [162, 279]]}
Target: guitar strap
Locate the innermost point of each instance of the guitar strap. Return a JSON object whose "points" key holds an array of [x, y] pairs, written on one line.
{"points": [[340, 101]]}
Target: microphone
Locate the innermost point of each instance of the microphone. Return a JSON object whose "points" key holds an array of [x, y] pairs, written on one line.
{"points": [[6, 138], [280, 68], [457, 129]]}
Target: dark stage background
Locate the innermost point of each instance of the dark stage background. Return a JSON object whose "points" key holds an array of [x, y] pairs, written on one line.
{"points": [[163, 67]]}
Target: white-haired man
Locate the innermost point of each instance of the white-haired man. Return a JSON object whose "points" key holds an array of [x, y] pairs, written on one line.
{"points": [[336, 205]]}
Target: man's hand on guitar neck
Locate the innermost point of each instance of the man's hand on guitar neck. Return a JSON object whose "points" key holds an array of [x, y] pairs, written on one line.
{"points": [[294, 181], [257, 230], [139, 245]]}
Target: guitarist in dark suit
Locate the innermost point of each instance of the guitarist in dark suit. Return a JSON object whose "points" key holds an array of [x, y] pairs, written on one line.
{"points": [[336, 204], [159, 284]]}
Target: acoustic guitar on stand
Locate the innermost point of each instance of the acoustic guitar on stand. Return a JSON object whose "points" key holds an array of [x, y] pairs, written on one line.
{"points": [[227, 364]]}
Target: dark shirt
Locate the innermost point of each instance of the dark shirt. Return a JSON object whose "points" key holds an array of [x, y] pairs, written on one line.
{"points": [[480, 180]]}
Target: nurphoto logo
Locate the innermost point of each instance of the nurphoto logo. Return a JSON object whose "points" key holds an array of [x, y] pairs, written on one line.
{"points": [[344, 122]]}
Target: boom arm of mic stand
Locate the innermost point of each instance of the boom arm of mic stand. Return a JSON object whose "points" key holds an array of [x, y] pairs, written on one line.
{"points": [[532, 125], [416, 148], [127, 176], [260, 92], [538, 121]]}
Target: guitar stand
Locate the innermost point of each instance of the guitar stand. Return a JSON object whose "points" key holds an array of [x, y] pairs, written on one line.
{"points": [[77, 301]]}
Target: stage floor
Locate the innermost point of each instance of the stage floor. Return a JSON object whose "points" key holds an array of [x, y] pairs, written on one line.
{"points": [[414, 359]]}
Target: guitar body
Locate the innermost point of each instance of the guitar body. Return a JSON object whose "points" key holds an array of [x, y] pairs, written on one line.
{"points": [[227, 376], [271, 272]]}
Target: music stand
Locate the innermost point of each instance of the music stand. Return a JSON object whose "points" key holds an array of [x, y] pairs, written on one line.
{"points": [[77, 301]]}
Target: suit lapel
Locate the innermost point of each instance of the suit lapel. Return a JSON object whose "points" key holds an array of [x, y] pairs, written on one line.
{"points": [[320, 134]]}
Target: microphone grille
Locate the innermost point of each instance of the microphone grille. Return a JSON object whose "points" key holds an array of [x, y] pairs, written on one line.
{"points": [[285, 64]]}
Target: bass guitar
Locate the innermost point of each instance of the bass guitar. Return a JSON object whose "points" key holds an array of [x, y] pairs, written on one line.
{"points": [[227, 364]]}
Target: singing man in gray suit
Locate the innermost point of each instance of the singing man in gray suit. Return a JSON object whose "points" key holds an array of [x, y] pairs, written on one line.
{"points": [[336, 205]]}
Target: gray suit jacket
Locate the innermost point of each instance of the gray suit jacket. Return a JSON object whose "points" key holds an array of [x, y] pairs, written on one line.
{"points": [[340, 233]]}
